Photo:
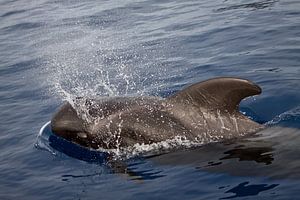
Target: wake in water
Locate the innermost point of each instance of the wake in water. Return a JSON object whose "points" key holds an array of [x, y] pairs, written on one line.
{"points": [[289, 118]]}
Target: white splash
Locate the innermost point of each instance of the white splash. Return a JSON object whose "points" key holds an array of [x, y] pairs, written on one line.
{"points": [[42, 139], [88, 62], [100, 63], [144, 149]]}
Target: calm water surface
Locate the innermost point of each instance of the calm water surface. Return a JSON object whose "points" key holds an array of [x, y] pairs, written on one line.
{"points": [[51, 51]]}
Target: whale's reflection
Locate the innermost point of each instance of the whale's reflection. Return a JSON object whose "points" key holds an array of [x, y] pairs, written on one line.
{"points": [[270, 153], [212, 155], [254, 5], [244, 189], [257, 154], [103, 159]]}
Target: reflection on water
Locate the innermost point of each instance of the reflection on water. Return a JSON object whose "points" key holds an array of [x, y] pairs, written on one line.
{"points": [[243, 189], [133, 171], [254, 6], [263, 155], [121, 168], [257, 154], [107, 163], [66, 177]]}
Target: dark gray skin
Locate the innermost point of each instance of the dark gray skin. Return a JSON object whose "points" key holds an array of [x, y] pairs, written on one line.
{"points": [[203, 112]]}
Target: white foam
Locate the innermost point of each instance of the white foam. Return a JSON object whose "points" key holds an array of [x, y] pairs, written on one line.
{"points": [[42, 141], [144, 149]]}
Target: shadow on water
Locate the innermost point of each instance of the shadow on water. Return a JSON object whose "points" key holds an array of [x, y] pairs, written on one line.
{"points": [[243, 189], [257, 154], [265, 154], [254, 6], [122, 168]]}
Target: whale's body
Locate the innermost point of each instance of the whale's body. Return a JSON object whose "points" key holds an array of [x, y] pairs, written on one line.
{"points": [[206, 111]]}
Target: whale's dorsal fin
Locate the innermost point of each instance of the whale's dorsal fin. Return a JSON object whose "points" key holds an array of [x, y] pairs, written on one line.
{"points": [[223, 94]]}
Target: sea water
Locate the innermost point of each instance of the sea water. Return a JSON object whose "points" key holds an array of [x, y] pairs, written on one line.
{"points": [[52, 51]]}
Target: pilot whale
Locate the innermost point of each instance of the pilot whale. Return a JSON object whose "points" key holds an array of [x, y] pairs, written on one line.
{"points": [[203, 112]]}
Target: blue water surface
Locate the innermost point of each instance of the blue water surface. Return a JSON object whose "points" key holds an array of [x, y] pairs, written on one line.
{"points": [[51, 51]]}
